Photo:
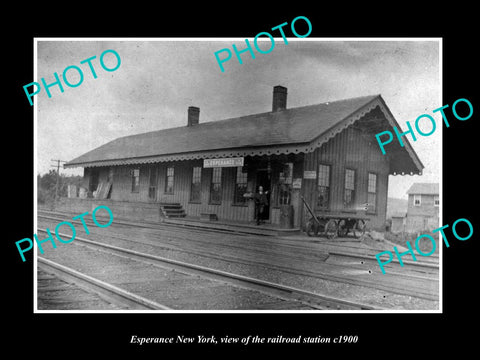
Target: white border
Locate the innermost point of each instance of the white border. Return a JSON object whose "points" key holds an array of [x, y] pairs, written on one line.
{"points": [[35, 192], [393, 311]]}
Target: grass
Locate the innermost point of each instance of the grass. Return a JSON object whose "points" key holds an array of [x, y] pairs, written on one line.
{"points": [[424, 244]]}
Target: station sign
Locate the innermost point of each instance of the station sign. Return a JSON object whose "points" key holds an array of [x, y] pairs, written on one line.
{"points": [[297, 183], [309, 174], [224, 162]]}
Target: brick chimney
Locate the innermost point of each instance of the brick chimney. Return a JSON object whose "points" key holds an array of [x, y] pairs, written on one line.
{"points": [[279, 98], [193, 115]]}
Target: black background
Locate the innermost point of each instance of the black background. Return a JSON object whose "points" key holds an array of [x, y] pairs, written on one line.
{"points": [[379, 334]]}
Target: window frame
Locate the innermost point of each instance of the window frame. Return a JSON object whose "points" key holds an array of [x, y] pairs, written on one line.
{"points": [[283, 188], [192, 183], [135, 180], [436, 200], [168, 190], [353, 194], [212, 183], [328, 186], [370, 210], [243, 201], [415, 197]]}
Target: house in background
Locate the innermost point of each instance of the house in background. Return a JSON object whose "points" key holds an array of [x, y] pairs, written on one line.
{"points": [[398, 222], [423, 207], [326, 153]]}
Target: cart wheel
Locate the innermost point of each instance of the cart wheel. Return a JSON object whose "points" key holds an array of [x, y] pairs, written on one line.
{"points": [[331, 229], [359, 229], [342, 228], [312, 228]]}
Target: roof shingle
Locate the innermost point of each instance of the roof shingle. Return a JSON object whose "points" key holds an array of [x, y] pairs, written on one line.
{"points": [[424, 189], [245, 135]]}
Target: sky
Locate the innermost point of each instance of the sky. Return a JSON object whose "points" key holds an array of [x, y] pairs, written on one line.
{"points": [[158, 80]]}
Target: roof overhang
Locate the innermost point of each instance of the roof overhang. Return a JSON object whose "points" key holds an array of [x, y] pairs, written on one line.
{"points": [[374, 115], [403, 159], [224, 153]]}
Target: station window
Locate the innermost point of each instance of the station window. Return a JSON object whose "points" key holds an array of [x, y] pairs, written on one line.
{"points": [[240, 186], [323, 186], [436, 201], [195, 189], [417, 200], [169, 180], [285, 179], [349, 194], [372, 192], [135, 180], [216, 186]]}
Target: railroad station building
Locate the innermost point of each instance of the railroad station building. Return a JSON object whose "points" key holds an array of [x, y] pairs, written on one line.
{"points": [[325, 153]]}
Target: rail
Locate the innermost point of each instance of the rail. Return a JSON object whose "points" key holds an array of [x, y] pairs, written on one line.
{"points": [[280, 291], [100, 287]]}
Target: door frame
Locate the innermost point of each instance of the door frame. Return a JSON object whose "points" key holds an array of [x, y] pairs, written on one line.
{"points": [[257, 184], [151, 168]]}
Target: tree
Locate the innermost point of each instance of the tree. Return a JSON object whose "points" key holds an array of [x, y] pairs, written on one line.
{"points": [[46, 186]]}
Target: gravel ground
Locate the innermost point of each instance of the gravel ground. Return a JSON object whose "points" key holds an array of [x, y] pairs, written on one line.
{"points": [[57, 294], [168, 287]]}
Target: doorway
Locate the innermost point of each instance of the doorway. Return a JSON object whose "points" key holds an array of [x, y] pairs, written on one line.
{"points": [[263, 180], [152, 183]]}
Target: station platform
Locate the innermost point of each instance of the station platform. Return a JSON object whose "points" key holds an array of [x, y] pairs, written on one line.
{"points": [[150, 214], [265, 229]]}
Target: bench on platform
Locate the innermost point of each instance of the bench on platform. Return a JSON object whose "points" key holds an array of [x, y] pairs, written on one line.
{"points": [[208, 216]]}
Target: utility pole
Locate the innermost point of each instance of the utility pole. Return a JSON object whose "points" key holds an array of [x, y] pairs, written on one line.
{"points": [[58, 177]]}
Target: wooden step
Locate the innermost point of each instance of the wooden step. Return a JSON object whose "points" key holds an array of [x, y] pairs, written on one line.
{"points": [[172, 210], [170, 216], [173, 205], [176, 212]]}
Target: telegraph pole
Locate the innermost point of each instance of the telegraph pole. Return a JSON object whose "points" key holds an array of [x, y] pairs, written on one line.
{"points": [[58, 176]]}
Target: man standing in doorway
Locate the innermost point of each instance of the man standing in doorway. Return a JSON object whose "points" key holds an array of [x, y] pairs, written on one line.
{"points": [[261, 202]]}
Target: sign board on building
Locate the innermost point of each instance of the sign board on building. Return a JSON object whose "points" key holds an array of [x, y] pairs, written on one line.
{"points": [[297, 183], [309, 174], [224, 162]]}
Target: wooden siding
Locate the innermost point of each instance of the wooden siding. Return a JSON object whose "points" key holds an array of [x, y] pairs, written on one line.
{"points": [[427, 206], [121, 189], [122, 183], [422, 218], [350, 149], [398, 225], [182, 187], [295, 201]]}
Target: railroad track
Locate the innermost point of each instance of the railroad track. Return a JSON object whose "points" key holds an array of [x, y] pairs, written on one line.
{"points": [[430, 262], [264, 247], [113, 294], [306, 253], [412, 269], [139, 224], [419, 286], [309, 299]]}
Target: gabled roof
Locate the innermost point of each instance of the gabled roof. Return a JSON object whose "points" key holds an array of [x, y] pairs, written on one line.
{"points": [[294, 130], [424, 189]]}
